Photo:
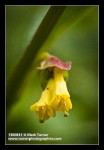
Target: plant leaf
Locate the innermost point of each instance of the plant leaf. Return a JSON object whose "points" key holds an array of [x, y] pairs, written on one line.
{"points": [[38, 40]]}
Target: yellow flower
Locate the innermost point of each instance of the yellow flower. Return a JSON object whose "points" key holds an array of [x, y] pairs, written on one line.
{"points": [[42, 108], [54, 98], [61, 97]]}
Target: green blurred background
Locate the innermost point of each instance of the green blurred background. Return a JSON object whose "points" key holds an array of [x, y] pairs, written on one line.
{"points": [[75, 38]]}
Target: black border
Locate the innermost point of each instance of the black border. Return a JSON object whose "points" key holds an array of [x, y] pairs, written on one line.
{"points": [[101, 45]]}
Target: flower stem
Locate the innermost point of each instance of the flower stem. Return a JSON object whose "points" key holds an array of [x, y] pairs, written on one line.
{"points": [[21, 70]]}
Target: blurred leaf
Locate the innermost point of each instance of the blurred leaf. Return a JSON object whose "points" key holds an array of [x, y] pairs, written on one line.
{"points": [[24, 64]]}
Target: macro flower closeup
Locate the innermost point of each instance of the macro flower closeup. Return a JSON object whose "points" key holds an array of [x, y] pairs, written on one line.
{"points": [[52, 75], [55, 97]]}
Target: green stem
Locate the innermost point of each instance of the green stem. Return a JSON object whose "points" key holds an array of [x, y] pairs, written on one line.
{"points": [[38, 40]]}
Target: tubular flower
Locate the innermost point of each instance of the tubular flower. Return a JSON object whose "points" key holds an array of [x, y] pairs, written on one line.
{"points": [[61, 97], [42, 108], [55, 97]]}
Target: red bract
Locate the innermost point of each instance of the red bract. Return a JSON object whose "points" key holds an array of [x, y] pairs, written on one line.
{"points": [[53, 61]]}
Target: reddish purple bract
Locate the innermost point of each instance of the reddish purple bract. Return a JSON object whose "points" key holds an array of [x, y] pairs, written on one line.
{"points": [[53, 61]]}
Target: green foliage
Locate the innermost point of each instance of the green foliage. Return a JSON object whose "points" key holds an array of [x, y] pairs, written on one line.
{"points": [[36, 43], [74, 37]]}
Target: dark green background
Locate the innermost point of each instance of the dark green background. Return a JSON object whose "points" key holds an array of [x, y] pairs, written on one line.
{"points": [[75, 38]]}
